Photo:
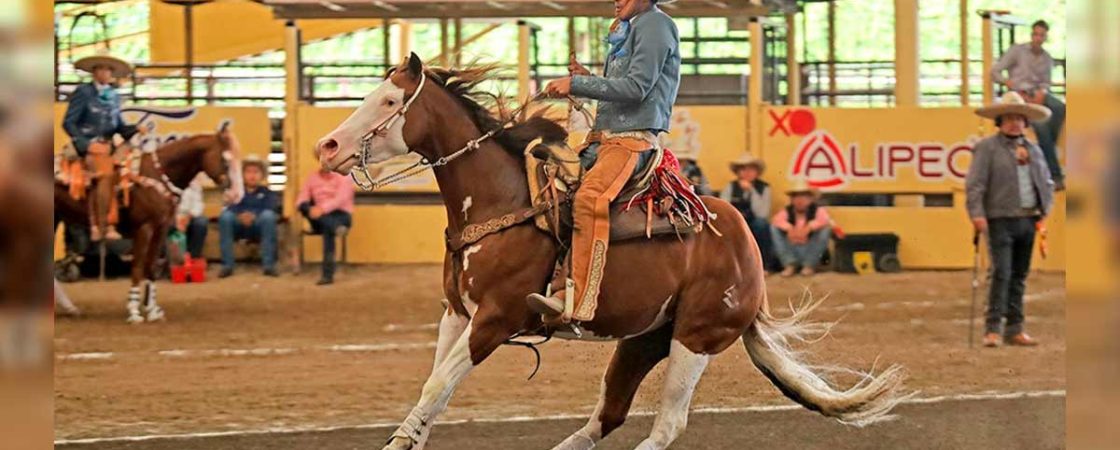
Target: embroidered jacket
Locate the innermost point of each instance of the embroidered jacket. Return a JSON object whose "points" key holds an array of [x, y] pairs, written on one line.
{"points": [[641, 77], [94, 113]]}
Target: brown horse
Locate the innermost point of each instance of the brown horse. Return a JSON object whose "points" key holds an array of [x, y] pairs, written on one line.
{"points": [[686, 299], [154, 199]]}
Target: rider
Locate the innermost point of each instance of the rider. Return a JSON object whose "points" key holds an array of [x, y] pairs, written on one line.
{"points": [[636, 96], [92, 118]]}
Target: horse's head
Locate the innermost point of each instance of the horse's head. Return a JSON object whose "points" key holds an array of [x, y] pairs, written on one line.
{"points": [[222, 163], [378, 126]]}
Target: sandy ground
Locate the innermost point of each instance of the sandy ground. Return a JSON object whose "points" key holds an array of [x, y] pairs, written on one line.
{"points": [[250, 352]]}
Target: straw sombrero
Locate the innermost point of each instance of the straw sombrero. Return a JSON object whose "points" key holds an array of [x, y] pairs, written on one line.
{"points": [[254, 160], [120, 67], [747, 159], [1013, 103], [800, 186]]}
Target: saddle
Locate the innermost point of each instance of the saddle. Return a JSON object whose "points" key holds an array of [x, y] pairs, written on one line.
{"points": [[649, 205]]}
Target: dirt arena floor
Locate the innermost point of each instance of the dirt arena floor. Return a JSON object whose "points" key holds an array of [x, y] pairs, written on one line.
{"points": [[245, 355]]}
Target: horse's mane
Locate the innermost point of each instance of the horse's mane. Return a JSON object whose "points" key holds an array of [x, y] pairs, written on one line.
{"points": [[463, 85], [184, 143]]}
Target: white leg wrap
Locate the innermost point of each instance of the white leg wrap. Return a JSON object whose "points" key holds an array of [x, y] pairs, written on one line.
{"points": [[590, 434], [134, 305], [150, 306], [681, 377], [413, 432]]}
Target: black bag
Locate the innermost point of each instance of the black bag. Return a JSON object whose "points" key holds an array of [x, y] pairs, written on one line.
{"points": [[883, 248]]}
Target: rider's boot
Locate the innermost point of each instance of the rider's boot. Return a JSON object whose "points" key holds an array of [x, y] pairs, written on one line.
{"points": [[552, 307]]}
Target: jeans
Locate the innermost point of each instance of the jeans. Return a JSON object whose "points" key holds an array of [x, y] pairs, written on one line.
{"points": [[805, 255], [760, 228], [1010, 242], [327, 225], [1048, 132], [196, 235], [262, 230]]}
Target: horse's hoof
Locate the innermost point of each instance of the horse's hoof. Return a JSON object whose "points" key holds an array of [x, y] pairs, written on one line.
{"points": [[156, 314], [398, 443], [135, 319]]}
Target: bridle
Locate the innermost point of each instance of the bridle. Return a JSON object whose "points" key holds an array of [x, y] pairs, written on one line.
{"points": [[360, 172]]}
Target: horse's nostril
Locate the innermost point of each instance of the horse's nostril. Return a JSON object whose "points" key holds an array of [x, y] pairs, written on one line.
{"points": [[328, 147]]}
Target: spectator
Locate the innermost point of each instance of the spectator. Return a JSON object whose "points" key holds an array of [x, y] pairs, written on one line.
{"points": [[1029, 68], [801, 231], [751, 196], [1008, 192], [190, 220], [254, 218], [327, 201], [691, 171]]}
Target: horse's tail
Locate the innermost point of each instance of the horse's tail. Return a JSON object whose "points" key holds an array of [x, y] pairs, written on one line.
{"points": [[768, 343]]}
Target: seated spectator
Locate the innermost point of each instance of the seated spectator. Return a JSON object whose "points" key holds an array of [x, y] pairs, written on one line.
{"points": [[254, 218], [190, 220], [801, 231], [751, 196], [327, 201]]}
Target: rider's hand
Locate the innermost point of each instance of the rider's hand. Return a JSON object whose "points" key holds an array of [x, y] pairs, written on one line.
{"points": [[980, 224], [315, 212], [558, 88], [575, 68]]}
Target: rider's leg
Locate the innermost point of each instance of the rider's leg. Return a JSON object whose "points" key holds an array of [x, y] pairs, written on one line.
{"points": [[633, 359]]}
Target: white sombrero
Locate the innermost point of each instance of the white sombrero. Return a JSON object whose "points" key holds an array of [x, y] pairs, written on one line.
{"points": [[747, 159], [120, 67], [800, 186], [1013, 103]]}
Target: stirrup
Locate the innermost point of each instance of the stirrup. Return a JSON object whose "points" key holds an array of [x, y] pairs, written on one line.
{"points": [[547, 306]]}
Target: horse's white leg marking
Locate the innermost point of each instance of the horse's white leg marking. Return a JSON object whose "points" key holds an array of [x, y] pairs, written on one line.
{"points": [[134, 305], [467, 255], [451, 326], [413, 432], [681, 377], [467, 202], [590, 434], [150, 306]]}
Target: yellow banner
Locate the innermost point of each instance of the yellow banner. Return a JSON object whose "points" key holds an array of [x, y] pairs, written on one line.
{"points": [[896, 150]]}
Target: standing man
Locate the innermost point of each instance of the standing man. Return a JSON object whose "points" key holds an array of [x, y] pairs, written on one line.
{"points": [[1029, 67], [327, 201], [1009, 192], [636, 96], [93, 117], [253, 218]]}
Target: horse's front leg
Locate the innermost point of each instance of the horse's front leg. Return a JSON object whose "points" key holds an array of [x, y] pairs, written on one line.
{"points": [[151, 307], [142, 242], [480, 338]]}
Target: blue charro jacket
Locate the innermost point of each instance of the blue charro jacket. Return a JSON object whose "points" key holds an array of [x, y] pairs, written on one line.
{"points": [[92, 114], [641, 77]]}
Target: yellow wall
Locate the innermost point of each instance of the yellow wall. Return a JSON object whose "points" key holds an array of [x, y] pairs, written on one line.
{"points": [[229, 29]]}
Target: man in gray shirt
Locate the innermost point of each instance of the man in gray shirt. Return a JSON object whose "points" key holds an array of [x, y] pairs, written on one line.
{"points": [[1029, 66], [1009, 191]]}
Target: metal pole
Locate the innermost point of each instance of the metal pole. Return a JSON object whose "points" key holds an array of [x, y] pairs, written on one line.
{"points": [[386, 42], [793, 69], [907, 91], [975, 286], [986, 55], [522, 60], [444, 47], [965, 87], [188, 28], [832, 53], [458, 47]]}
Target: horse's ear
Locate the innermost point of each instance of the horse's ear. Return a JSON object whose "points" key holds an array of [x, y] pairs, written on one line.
{"points": [[415, 64], [224, 126]]}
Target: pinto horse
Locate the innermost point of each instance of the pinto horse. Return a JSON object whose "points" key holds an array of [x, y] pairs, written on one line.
{"points": [[154, 198], [684, 299]]}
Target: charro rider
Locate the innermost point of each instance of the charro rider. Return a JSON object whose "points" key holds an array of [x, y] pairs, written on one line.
{"points": [[92, 118], [636, 97]]}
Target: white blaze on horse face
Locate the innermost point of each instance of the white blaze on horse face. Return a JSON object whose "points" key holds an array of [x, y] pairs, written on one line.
{"points": [[378, 106]]}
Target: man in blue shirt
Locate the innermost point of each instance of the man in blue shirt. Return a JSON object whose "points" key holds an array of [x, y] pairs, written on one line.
{"points": [[636, 95], [93, 117], [254, 218]]}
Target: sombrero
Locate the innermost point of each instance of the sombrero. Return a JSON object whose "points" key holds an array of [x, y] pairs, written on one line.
{"points": [[800, 186], [747, 159], [1013, 103], [120, 67], [253, 160]]}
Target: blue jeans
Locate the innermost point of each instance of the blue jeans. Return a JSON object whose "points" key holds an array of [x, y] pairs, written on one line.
{"points": [[760, 228], [327, 225], [196, 235], [1048, 132], [805, 255], [262, 230], [1010, 242]]}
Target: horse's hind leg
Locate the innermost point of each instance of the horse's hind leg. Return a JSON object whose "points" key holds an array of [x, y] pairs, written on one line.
{"points": [[685, 368], [153, 310], [142, 243], [632, 361]]}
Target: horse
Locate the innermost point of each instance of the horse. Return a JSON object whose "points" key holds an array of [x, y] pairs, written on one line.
{"points": [[158, 178], [683, 298]]}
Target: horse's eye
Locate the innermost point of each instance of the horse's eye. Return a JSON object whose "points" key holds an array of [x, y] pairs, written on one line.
{"points": [[391, 102]]}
